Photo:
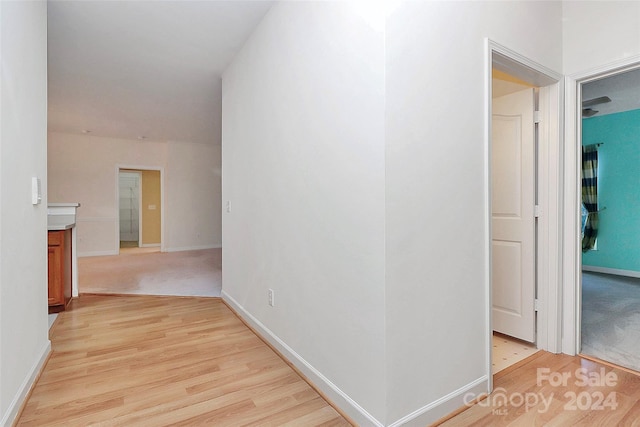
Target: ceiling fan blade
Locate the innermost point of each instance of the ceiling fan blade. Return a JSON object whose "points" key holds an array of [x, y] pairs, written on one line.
{"points": [[595, 101], [589, 112]]}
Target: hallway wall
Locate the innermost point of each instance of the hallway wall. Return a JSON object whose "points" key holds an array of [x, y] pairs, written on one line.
{"points": [[354, 164], [24, 342], [617, 35], [303, 160], [436, 193]]}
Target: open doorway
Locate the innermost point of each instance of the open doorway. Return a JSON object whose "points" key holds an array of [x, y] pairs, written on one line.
{"points": [[139, 210], [610, 198], [129, 207], [522, 203]]}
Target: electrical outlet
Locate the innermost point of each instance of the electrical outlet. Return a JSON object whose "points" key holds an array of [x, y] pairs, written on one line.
{"points": [[272, 300]]}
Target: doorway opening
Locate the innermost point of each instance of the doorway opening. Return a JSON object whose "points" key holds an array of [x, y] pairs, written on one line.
{"points": [[522, 202], [607, 281], [129, 205], [139, 210]]}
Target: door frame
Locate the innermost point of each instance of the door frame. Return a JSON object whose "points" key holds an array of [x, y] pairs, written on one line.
{"points": [[572, 277], [548, 332], [120, 167]]}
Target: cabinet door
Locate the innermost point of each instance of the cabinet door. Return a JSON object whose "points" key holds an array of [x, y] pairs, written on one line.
{"points": [[56, 292]]}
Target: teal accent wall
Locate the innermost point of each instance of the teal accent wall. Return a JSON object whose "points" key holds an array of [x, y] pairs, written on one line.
{"points": [[618, 244]]}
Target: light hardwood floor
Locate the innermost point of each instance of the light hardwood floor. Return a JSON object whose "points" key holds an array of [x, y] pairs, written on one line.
{"points": [[562, 398], [155, 361]]}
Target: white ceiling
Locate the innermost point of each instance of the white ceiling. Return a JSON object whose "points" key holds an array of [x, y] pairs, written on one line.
{"points": [[623, 89], [127, 69]]}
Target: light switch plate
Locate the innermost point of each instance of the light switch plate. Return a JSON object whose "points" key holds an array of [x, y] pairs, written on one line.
{"points": [[36, 191]]}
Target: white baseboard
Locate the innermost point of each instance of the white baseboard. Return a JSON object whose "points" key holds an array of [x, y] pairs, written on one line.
{"points": [[150, 245], [15, 405], [420, 417], [333, 393], [97, 253], [614, 271], [444, 406], [193, 248]]}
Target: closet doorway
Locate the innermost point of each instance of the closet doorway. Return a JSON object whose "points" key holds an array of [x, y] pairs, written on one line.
{"points": [[521, 281], [139, 208]]}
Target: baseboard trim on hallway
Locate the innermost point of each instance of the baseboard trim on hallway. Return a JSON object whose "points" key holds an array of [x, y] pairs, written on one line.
{"points": [[193, 248], [452, 403], [346, 406], [614, 271], [19, 401], [97, 253]]}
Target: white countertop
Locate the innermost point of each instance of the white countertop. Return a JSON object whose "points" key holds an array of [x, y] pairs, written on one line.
{"points": [[60, 222], [64, 205], [62, 209]]}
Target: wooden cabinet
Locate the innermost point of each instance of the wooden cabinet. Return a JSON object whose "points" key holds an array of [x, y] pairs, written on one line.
{"points": [[59, 270]]}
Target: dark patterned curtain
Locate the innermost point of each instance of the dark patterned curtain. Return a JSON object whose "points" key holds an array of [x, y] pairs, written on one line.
{"points": [[590, 195]]}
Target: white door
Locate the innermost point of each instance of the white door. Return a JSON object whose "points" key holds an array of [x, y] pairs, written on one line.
{"points": [[513, 216]]}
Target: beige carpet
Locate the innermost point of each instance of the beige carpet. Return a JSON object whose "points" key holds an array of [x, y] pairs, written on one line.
{"points": [[611, 318], [187, 273]]}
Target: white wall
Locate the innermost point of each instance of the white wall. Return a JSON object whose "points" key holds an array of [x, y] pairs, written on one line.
{"points": [[305, 92], [83, 169], [303, 162], [596, 33], [435, 186], [24, 343], [193, 196]]}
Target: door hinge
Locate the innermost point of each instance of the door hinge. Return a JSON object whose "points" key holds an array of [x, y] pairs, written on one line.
{"points": [[536, 117], [536, 211], [536, 305]]}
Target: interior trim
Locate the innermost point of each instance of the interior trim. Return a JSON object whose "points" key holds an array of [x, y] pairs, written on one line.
{"points": [[331, 392], [614, 271], [20, 399], [571, 253]]}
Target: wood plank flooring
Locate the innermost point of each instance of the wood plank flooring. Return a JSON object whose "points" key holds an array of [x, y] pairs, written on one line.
{"points": [[155, 361], [563, 396]]}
